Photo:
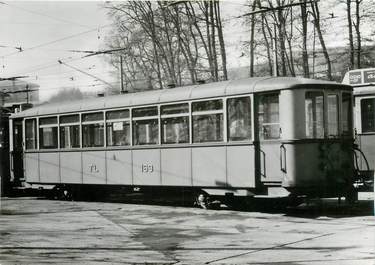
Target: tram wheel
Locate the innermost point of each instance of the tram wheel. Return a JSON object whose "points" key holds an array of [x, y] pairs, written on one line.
{"points": [[204, 201]]}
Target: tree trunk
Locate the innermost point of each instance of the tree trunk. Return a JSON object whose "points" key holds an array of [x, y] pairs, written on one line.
{"points": [[316, 14], [351, 44], [221, 40], [213, 40], [358, 32], [252, 32], [305, 56]]}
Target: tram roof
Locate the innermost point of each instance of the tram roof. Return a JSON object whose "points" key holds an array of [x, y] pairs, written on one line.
{"points": [[193, 92]]}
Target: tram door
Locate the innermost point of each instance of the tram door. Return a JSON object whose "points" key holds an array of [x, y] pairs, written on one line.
{"points": [[269, 133], [17, 153], [4, 152]]}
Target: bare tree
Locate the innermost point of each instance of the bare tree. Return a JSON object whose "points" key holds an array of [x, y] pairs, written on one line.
{"points": [[317, 25]]}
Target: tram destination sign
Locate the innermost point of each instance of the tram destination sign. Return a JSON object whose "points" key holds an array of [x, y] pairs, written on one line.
{"points": [[360, 77], [369, 76], [355, 78]]}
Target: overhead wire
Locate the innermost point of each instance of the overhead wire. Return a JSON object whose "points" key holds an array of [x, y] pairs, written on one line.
{"points": [[55, 41], [44, 15]]}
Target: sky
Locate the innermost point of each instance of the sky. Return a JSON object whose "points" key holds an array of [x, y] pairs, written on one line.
{"points": [[47, 31]]}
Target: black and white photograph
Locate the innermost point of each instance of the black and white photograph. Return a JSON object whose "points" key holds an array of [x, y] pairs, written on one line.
{"points": [[187, 132]]}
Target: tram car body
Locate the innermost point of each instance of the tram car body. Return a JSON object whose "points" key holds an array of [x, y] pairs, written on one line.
{"points": [[363, 83], [269, 136]]}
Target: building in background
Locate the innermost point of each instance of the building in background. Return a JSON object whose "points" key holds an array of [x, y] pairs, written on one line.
{"points": [[14, 93]]}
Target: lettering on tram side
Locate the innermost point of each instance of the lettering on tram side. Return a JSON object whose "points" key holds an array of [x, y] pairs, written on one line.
{"points": [[147, 168], [93, 168]]}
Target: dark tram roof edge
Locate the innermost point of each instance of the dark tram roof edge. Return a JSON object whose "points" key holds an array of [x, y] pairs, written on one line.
{"points": [[192, 92]]}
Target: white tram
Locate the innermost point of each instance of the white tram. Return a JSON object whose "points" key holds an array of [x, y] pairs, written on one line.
{"points": [[363, 83], [269, 136]]}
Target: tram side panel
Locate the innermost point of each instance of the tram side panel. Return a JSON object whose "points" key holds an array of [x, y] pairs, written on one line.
{"points": [[71, 167], [31, 165], [49, 167], [176, 166], [119, 167]]}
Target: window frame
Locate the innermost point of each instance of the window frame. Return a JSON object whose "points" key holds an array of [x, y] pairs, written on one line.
{"points": [[176, 115], [90, 123], [351, 114], [143, 118], [206, 113], [52, 125], [36, 132], [326, 114], [361, 116], [70, 124], [227, 135], [256, 107], [128, 120]]}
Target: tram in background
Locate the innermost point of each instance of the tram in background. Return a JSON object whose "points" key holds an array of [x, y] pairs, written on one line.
{"points": [[363, 83], [234, 139], [6, 183]]}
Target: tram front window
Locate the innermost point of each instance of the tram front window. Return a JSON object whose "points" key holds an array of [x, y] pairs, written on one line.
{"points": [[333, 115], [268, 117], [347, 114], [314, 114], [368, 114]]}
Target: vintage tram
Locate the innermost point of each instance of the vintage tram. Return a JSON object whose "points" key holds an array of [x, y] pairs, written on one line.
{"points": [[273, 136], [363, 83]]}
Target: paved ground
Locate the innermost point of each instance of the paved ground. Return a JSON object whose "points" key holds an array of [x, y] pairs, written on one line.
{"points": [[37, 231]]}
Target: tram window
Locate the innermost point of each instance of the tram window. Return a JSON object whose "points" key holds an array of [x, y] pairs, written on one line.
{"points": [[239, 119], [175, 130], [118, 133], [208, 128], [208, 105], [48, 137], [48, 121], [97, 116], [69, 136], [175, 109], [333, 114], [208, 121], [145, 112], [346, 114], [69, 119], [145, 132], [93, 135], [268, 116], [117, 114], [368, 114], [48, 133], [314, 114], [30, 134], [69, 133]]}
